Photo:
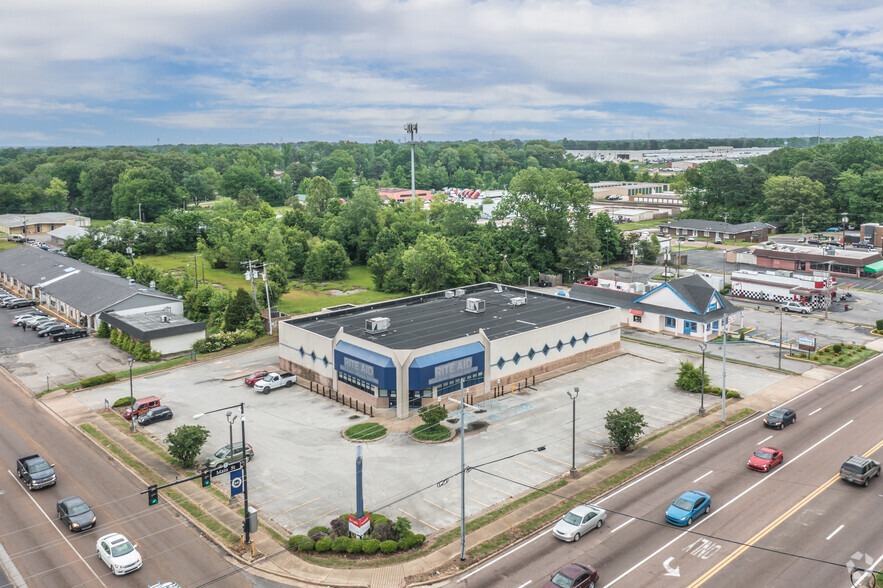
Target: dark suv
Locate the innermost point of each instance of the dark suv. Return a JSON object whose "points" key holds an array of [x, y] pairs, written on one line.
{"points": [[224, 455], [859, 470]]}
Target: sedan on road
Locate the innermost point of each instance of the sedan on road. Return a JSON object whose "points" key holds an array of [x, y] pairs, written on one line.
{"points": [[75, 513], [765, 459], [688, 507], [574, 576], [118, 553], [579, 521], [251, 379], [780, 418]]}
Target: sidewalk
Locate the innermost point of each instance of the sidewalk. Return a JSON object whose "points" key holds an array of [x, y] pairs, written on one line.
{"points": [[276, 563]]}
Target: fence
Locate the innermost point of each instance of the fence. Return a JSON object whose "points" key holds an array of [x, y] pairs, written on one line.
{"points": [[336, 396]]}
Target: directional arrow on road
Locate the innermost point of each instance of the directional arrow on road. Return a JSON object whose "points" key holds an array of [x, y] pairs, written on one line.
{"points": [[669, 571]]}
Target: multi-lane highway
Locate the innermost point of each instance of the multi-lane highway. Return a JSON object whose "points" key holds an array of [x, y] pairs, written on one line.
{"points": [[44, 553], [798, 525]]}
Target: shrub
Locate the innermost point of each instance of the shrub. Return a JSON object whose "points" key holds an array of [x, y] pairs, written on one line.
{"points": [[837, 348], [307, 545], [733, 394], [296, 540], [370, 546], [96, 380], [324, 544], [880, 325], [355, 546], [407, 542], [383, 531], [402, 527], [741, 336], [340, 544], [319, 529], [339, 526], [377, 519], [420, 538], [124, 401], [103, 330], [389, 547]]}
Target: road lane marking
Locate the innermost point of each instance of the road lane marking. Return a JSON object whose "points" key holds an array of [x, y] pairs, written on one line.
{"points": [[866, 574], [493, 561], [772, 526], [622, 525], [731, 501], [702, 476], [525, 584], [764, 440], [52, 524], [856, 388], [837, 530], [814, 412]]}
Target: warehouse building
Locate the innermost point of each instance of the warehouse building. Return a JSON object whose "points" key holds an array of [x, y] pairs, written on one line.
{"points": [[402, 354]]}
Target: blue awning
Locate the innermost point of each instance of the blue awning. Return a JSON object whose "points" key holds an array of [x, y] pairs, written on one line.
{"points": [[443, 366], [366, 365]]}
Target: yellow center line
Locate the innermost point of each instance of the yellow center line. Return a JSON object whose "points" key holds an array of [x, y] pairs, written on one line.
{"points": [[769, 528]]}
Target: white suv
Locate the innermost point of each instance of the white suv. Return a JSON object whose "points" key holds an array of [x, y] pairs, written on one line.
{"points": [[794, 306]]}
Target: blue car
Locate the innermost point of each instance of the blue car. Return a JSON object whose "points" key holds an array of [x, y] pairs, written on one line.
{"points": [[688, 507], [833, 229]]}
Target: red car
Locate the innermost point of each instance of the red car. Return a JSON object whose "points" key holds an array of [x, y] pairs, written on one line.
{"points": [[588, 281], [250, 380], [765, 459], [574, 576]]}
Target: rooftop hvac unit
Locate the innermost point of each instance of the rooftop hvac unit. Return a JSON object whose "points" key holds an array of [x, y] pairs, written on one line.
{"points": [[449, 293], [460, 292], [166, 319], [640, 288], [376, 325], [499, 289], [518, 301], [475, 305]]}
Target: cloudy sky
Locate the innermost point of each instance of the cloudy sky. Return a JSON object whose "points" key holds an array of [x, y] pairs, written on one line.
{"points": [[119, 72]]}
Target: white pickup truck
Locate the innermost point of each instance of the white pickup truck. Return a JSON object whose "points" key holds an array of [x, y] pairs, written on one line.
{"points": [[273, 380]]}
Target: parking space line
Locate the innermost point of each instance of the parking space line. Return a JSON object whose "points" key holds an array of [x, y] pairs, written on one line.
{"points": [[522, 464], [441, 507], [667, 409], [404, 512], [457, 492], [306, 523], [580, 452], [500, 490], [684, 404], [814, 412], [273, 483], [837, 530], [509, 474], [764, 440], [602, 434], [298, 506], [525, 584], [567, 463], [264, 503]]}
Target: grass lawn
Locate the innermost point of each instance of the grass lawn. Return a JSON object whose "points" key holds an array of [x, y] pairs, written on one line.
{"points": [[642, 224], [305, 297], [433, 433], [849, 355], [366, 431]]}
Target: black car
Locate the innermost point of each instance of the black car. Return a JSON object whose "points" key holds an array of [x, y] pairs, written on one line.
{"points": [[68, 333], [780, 418], [51, 329], [813, 242], [75, 513], [863, 245], [157, 413]]}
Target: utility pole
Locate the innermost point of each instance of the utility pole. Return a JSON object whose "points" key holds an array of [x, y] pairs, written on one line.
{"points": [[726, 216], [249, 275], [462, 472], [267, 291], [412, 128], [140, 216], [780, 336], [634, 254], [196, 269]]}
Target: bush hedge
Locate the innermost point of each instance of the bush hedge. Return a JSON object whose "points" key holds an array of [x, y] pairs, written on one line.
{"points": [[324, 544], [355, 546], [97, 380], [138, 350], [340, 544], [389, 547], [296, 540], [370, 546], [307, 545], [318, 529], [124, 401], [221, 341]]}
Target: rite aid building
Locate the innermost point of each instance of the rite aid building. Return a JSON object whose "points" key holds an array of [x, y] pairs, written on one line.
{"points": [[407, 353]]}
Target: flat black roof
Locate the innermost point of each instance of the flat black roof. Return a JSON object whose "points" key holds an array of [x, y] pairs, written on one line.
{"points": [[419, 321]]}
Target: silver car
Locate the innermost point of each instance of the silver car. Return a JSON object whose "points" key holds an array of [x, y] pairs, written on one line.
{"points": [[579, 521]]}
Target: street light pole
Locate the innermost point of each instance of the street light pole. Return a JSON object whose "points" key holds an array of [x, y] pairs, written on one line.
{"points": [[131, 396], [462, 472], [702, 346], [780, 336], [573, 447]]}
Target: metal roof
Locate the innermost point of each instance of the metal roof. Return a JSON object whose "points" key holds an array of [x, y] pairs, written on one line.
{"points": [[419, 321], [148, 326]]}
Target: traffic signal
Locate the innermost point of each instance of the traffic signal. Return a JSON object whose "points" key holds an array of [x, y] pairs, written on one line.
{"points": [[152, 495], [206, 478]]}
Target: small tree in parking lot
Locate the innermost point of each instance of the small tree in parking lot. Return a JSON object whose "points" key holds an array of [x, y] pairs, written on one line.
{"points": [[186, 442], [432, 415], [624, 426]]}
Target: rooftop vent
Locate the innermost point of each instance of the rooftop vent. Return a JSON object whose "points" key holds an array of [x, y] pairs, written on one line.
{"points": [[131, 282], [376, 325], [152, 285], [166, 318], [449, 293], [518, 301], [460, 292], [475, 305], [499, 289]]}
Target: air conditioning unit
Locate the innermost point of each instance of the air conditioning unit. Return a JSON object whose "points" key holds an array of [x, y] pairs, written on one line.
{"points": [[376, 325], [518, 301], [460, 292], [449, 293], [475, 305]]}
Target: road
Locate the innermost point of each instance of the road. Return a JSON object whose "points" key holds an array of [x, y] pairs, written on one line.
{"points": [[45, 554], [803, 524]]}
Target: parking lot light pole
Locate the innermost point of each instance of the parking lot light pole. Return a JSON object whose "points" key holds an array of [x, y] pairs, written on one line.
{"points": [[131, 396], [241, 407], [702, 346], [573, 446]]}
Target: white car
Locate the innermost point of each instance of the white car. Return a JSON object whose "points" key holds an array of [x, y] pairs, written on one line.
{"points": [[794, 306], [118, 553], [579, 521]]}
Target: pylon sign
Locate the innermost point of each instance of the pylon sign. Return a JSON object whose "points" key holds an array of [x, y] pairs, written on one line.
{"points": [[359, 526]]}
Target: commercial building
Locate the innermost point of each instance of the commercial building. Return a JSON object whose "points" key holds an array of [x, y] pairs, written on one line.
{"points": [[859, 263], [711, 153], [686, 307], [706, 229], [402, 354], [403, 194], [39, 223], [818, 290]]}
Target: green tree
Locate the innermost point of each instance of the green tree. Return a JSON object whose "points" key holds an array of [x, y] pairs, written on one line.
{"points": [[624, 427], [580, 253], [793, 201], [690, 378], [56, 195], [186, 442], [327, 260], [320, 195], [431, 265], [240, 310], [432, 415], [146, 189]]}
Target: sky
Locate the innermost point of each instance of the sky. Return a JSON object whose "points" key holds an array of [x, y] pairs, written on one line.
{"points": [[112, 72]]}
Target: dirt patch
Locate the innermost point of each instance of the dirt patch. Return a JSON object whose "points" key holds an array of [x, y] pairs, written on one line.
{"points": [[342, 293]]}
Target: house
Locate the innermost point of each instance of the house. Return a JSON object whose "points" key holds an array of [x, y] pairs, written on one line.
{"points": [[39, 223], [705, 229], [402, 194], [687, 307], [65, 233]]}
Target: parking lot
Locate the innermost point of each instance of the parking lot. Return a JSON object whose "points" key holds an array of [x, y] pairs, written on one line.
{"points": [[303, 471]]}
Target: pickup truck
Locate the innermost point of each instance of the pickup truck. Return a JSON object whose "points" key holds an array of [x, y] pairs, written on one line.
{"points": [[35, 471], [273, 380]]}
